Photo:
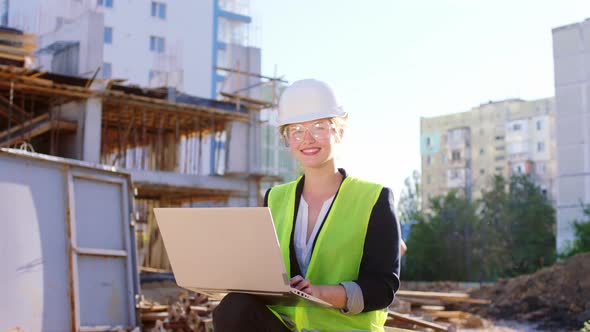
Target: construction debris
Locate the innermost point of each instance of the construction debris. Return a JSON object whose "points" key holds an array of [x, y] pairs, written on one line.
{"points": [[428, 310], [190, 313]]}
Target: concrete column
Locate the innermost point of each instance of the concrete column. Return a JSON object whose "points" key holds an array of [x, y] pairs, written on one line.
{"points": [[85, 143], [92, 120]]}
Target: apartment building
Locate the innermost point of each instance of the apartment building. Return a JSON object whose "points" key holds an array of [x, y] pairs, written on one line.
{"points": [[462, 151], [147, 43]]}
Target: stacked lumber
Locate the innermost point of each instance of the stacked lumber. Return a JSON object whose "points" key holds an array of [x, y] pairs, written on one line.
{"points": [[411, 310], [188, 314], [16, 46], [430, 310]]}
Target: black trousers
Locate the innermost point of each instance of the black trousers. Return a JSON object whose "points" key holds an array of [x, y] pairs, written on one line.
{"points": [[245, 313]]}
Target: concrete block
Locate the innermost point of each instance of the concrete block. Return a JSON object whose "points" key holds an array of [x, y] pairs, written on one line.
{"points": [[572, 190], [571, 159], [237, 147], [569, 129], [567, 40], [569, 69], [586, 34], [569, 99]]}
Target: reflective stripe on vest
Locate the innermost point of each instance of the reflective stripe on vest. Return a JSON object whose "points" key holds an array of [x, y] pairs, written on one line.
{"points": [[337, 253]]}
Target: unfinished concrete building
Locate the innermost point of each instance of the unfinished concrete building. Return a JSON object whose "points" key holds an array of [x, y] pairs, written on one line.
{"points": [[181, 150]]}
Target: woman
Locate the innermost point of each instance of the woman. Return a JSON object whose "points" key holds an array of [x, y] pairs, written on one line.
{"points": [[338, 235]]}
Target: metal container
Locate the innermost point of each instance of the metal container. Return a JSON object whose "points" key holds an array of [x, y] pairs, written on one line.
{"points": [[67, 246]]}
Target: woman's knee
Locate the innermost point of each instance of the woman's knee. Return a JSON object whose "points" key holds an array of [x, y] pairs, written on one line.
{"points": [[234, 309]]}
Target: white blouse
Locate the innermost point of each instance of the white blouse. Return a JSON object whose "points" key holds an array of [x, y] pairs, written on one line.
{"points": [[303, 246]]}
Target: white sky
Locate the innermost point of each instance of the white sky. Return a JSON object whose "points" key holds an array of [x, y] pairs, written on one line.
{"points": [[392, 61]]}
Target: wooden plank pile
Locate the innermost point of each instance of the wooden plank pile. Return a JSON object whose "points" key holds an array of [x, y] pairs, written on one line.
{"points": [[429, 311], [16, 46], [188, 314], [412, 310]]}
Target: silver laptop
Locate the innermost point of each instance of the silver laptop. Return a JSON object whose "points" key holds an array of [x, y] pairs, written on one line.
{"points": [[220, 250]]}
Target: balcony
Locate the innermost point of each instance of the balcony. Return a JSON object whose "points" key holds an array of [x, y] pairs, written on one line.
{"points": [[459, 158], [458, 178], [459, 138]]}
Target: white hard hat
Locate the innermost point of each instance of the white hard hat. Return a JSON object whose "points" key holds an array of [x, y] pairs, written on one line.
{"points": [[307, 100]]}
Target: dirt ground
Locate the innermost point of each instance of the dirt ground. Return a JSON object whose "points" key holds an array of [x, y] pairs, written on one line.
{"points": [[503, 326], [557, 298]]}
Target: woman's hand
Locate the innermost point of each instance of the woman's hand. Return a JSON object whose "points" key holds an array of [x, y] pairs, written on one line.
{"points": [[334, 294], [302, 284]]}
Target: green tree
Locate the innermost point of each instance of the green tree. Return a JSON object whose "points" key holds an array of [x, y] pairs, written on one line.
{"points": [[517, 228], [493, 232], [532, 220], [441, 242], [582, 235]]}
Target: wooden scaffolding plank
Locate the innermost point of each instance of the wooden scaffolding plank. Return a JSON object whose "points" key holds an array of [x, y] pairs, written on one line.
{"points": [[39, 129], [419, 322]]}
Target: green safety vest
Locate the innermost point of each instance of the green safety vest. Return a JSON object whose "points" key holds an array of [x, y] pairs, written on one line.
{"points": [[337, 253]]}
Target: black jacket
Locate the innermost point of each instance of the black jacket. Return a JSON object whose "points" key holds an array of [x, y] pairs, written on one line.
{"points": [[380, 265]]}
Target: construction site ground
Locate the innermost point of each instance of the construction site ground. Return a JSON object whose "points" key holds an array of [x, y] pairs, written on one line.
{"points": [[556, 298]]}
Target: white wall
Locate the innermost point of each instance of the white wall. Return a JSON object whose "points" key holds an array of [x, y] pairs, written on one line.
{"points": [[572, 93], [87, 30], [188, 32], [249, 60], [187, 29], [41, 16]]}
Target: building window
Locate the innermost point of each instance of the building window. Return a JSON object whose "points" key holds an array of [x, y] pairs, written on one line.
{"points": [[108, 35], [428, 160], [539, 124], [481, 152], [519, 169], [516, 127], [159, 10], [4, 12], [500, 148], [499, 169], [107, 70], [482, 171], [428, 141], [106, 3], [540, 146], [499, 138], [428, 179], [157, 44], [499, 158], [456, 155]]}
